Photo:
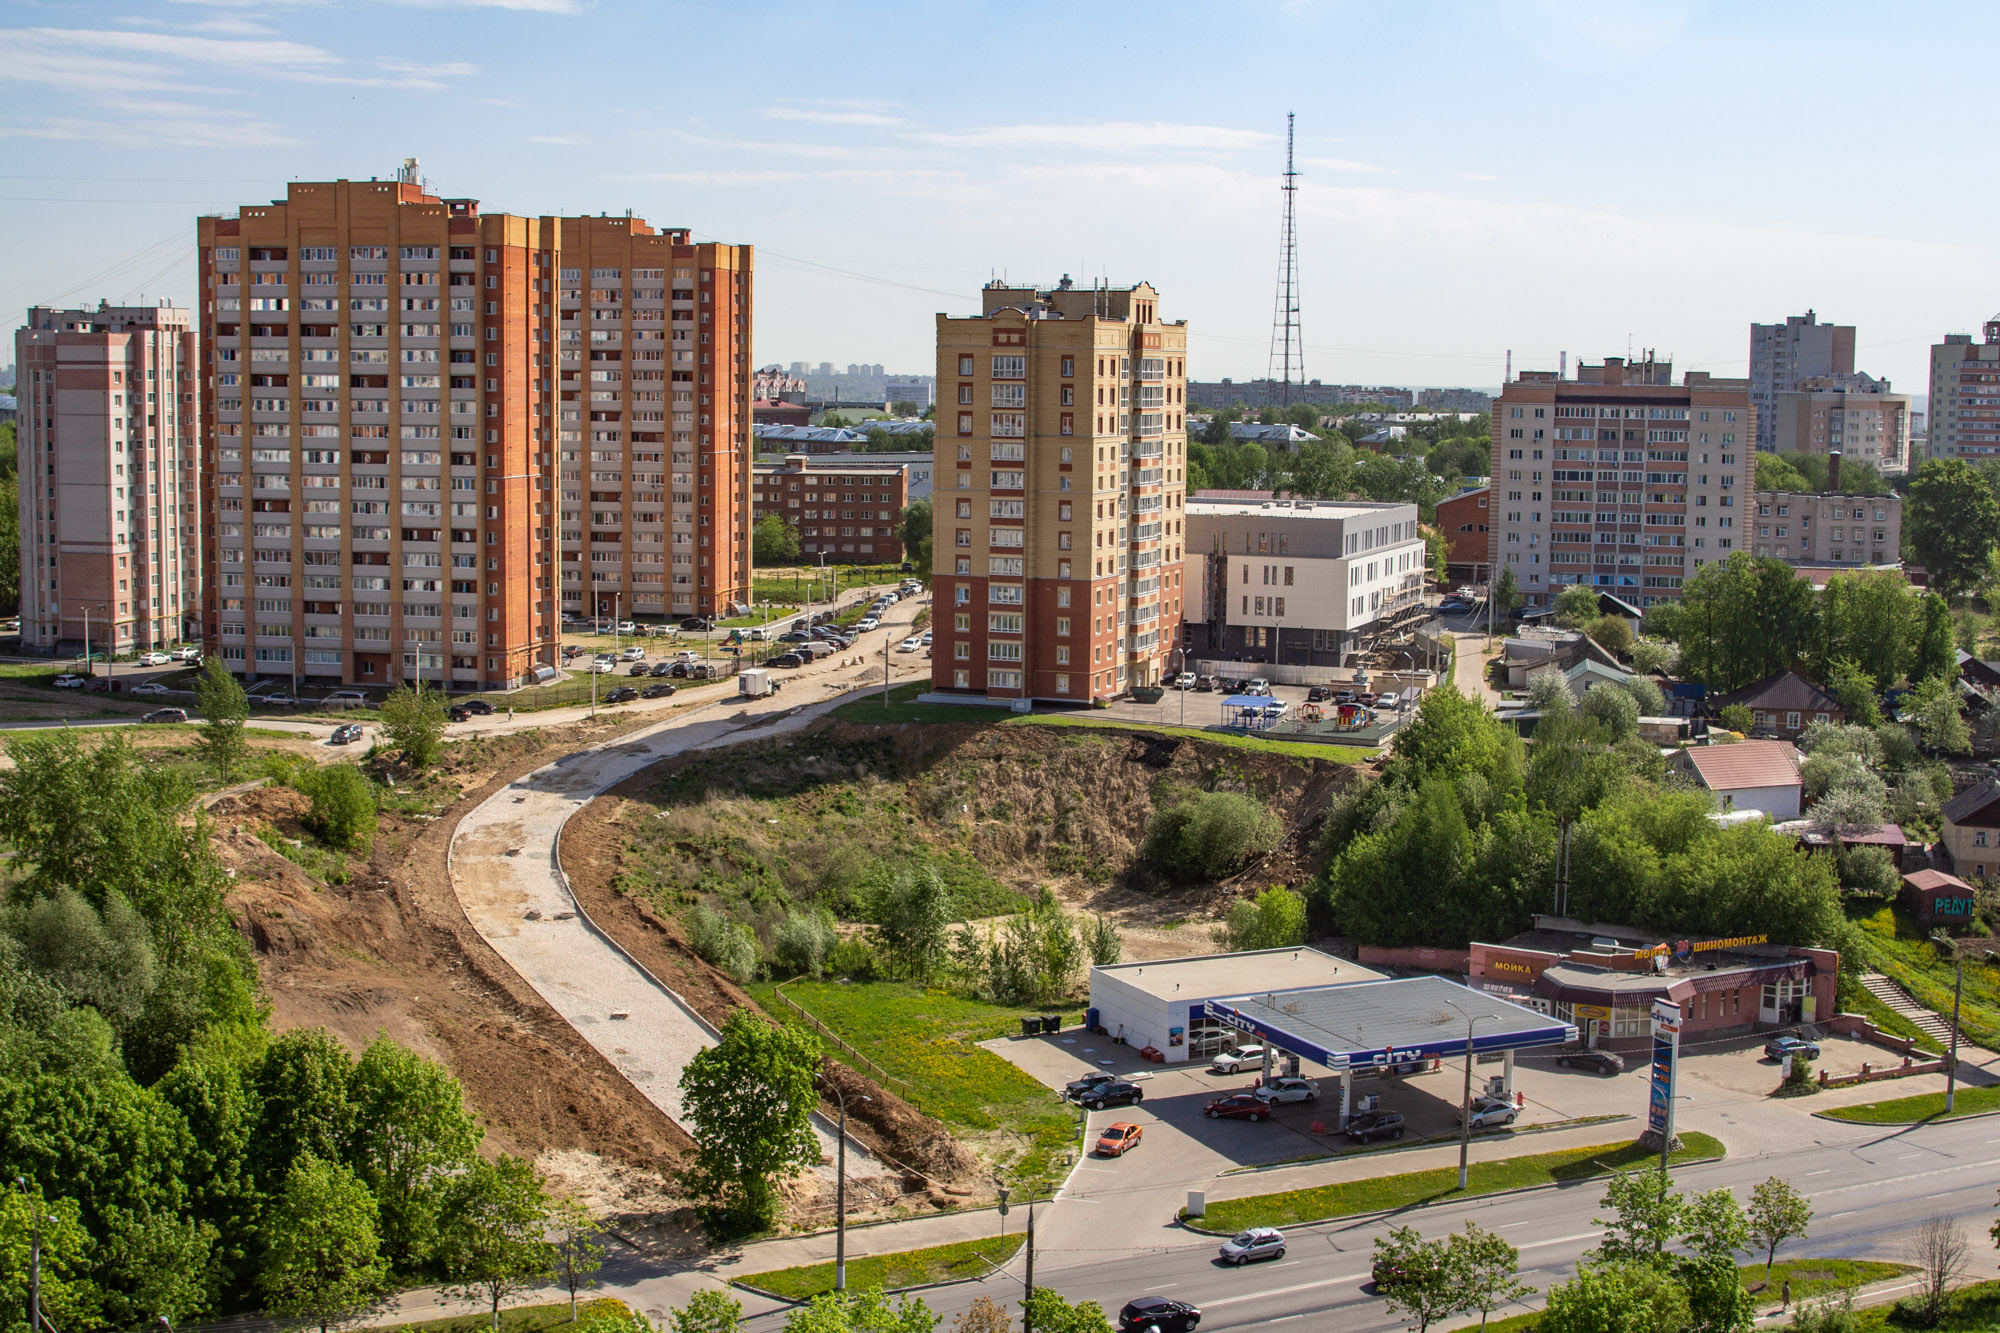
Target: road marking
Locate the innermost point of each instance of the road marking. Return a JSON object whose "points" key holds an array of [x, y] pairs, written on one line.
{"points": [[1849, 1213], [1824, 1171], [1559, 1240], [1285, 1291]]}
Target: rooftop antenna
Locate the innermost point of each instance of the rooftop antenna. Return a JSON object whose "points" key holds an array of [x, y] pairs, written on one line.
{"points": [[1287, 343], [1508, 378], [1562, 365]]}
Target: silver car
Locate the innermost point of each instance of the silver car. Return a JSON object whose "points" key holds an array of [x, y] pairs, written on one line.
{"points": [[1288, 1090], [1233, 1059], [1256, 1243]]}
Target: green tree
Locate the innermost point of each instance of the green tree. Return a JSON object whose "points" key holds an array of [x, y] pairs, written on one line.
{"points": [[803, 941], [70, 1300], [1576, 606], [1737, 717], [1424, 1281], [1047, 1312], [916, 527], [865, 1311], [1549, 692], [1437, 553], [1940, 716], [748, 1101], [411, 1134], [1778, 1213], [1612, 633], [1616, 1298], [1615, 710], [1506, 593], [301, 1089], [1936, 651], [342, 813], [104, 960], [1210, 836], [494, 1241], [1646, 1215], [1651, 657], [1276, 919], [1775, 474], [1950, 521], [323, 1266], [915, 910], [1743, 619], [211, 1087], [773, 542], [707, 1311], [578, 1253], [723, 942], [224, 709], [1488, 1268], [1855, 689], [10, 545], [413, 721]]}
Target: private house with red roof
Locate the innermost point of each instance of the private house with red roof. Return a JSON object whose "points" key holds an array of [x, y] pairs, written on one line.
{"points": [[1749, 775], [1936, 898], [1784, 704]]}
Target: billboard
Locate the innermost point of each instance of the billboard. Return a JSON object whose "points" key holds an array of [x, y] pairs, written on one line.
{"points": [[1666, 1052]]}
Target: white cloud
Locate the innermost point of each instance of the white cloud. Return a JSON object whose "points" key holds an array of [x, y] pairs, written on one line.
{"points": [[831, 117], [1340, 164], [1111, 136], [143, 123]]}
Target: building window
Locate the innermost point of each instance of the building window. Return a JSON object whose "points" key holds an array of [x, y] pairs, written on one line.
{"points": [[965, 423]]}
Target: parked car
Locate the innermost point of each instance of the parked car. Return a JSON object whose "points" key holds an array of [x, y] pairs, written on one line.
{"points": [[458, 713], [1184, 681], [868, 623], [1256, 1243], [281, 699], [1257, 685], [153, 659], [624, 694], [1077, 1087], [659, 691], [1489, 1113], [1118, 1092], [697, 624], [150, 687], [1596, 1062], [185, 655], [348, 697], [166, 715], [600, 666], [786, 660], [1238, 1106], [639, 669], [910, 645], [571, 650], [1232, 1060], [633, 653], [1204, 684], [796, 636], [1119, 1139], [69, 681], [1158, 1314], [627, 628], [1372, 1125], [1343, 696], [345, 734], [660, 669], [1779, 1047], [1318, 694], [701, 671], [1289, 1090]]}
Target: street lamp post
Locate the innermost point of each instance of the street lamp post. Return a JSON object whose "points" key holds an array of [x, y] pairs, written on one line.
{"points": [[840, 1193], [1465, 1105], [1957, 989]]}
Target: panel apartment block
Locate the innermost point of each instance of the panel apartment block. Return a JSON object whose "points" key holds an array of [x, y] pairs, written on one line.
{"points": [[1855, 415], [1965, 396], [1782, 356], [428, 429], [1061, 468], [109, 479], [1828, 528], [1619, 479], [846, 507]]}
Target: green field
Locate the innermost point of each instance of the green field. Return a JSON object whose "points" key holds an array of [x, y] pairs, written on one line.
{"points": [[926, 1040], [1923, 1106], [1295, 1207], [891, 1272]]}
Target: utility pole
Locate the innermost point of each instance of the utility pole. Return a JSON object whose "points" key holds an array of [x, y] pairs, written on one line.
{"points": [[1465, 1105], [840, 1196], [1957, 990], [1027, 1319]]}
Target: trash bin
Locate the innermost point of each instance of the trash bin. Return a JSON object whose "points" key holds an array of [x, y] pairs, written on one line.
{"points": [[1031, 1027], [1052, 1022]]}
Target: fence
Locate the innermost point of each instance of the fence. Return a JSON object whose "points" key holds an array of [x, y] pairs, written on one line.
{"points": [[834, 1037]]}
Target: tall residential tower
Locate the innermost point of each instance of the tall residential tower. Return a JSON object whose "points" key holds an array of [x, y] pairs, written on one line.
{"points": [[1061, 466], [1783, 356], [429, 430], [109, 478], [1965, 396]]}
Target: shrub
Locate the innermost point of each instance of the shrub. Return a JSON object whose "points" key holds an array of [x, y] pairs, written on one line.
{"points": [[1612, 633], [1652, 703], [1654, 658], [343, 805], [1870, 873], [1616, 710], [725, 944], [1549, 692], [1101, 937], [1209, 837], [1275, 919], [853, 957], [1737, 717], [802, 942]]}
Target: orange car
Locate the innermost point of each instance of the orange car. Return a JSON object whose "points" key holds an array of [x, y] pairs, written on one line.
{"points": [[1119, 1139]]}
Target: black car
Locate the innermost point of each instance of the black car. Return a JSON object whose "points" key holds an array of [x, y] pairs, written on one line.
{"points": [[786, 660], [1077, 1089], [345, 734], [1157, 1314], [639, 669], [697, 624], [1115, 1093], [1597, 1062], [661, 669], [624, 694], [1372, 1125], [1318, 694], [458, 713], [479, 706], [659, 691]]}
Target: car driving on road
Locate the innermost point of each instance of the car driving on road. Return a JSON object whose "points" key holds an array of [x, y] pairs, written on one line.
{"points": [[166, 715], [345, 734], [1158, 1314], [624, 694], [659, 691], [1256, 1243], [1372, 1125], [153, 659], [1597, 1062], [150, 687], [1119, 1139]]}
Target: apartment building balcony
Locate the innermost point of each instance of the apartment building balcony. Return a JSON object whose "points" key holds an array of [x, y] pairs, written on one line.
{"points": [[1148, 476], [1142, 643], [1147, 532], [1148, 449]]}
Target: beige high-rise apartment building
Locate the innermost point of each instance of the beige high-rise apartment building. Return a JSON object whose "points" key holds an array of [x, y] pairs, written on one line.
{"points": [[1965, 396], [1853, 415], [1783, 355], [429, 430], [1620, 479], [109, 478], [1061, 468]]}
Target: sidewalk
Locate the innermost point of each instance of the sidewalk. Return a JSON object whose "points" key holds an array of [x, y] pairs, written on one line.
{"points": [[1468, 671]]}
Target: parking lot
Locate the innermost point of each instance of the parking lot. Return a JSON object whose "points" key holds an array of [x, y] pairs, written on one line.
{"points": [[1203, 708]]}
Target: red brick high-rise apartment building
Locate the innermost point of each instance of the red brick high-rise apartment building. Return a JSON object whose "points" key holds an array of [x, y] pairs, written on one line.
{"points": [[429, 430]]}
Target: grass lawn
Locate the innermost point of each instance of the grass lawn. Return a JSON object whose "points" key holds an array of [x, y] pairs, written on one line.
{"points": [[1828, 1277], [1295, 1207], [927, 1039], [1855, 1000], [1896, 946], [520, 1319], [891, 1272], [1923, 1106], [1974, 1309]]}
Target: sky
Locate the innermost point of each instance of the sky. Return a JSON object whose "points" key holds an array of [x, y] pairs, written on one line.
{"points": [[1534, 175]]}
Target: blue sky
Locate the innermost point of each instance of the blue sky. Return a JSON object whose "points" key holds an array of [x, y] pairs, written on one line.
{"points": [[1525, 174]]}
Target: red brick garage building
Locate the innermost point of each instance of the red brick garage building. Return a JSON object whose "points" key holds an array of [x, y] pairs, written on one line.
{"points": [[1467, 547]]}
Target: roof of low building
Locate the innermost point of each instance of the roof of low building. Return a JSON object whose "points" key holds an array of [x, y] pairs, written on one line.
{"points": [[1745, 764], [1935, 879], [1979, 806], [1784, 692], [1208, 975]]}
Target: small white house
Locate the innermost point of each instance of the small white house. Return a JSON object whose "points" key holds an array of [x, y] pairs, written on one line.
{"points": [[1163, 1003], [1749, 775]]}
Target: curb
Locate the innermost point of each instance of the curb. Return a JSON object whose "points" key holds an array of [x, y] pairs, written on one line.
{"points": [[1187, 1225], [1940, 1118], [1580, 1121], [796, 1301]]}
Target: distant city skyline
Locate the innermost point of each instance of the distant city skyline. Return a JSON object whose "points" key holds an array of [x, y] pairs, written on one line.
{"points": [[1437, 232]]}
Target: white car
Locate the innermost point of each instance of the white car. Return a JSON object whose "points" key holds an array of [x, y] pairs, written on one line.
{"points": [[910, 645], [1184, 681], [69, 681], [154, 659], [633, 654], [279, 698], [602, 666], [1232, 1060], [185, 655], [151, 687], [1256, 1243], [927, 638], [1288, 1090], [867, 623], [627, 627], [887, 598], [1491, 1113]]}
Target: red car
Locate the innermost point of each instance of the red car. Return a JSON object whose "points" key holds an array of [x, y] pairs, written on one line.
{"points": [[1240, 1106]]}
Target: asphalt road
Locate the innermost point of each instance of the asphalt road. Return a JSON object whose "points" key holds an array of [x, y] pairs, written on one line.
{"points": [[1866, 1195]]}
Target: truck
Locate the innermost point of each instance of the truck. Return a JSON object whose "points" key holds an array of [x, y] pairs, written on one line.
{"points": [[755, 683]]}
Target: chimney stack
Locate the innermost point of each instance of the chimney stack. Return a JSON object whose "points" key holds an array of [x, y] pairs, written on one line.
{"points": [[1833, 470]]}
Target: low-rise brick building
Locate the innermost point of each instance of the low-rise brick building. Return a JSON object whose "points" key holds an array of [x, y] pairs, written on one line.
{"points": [[847, 510], [1468, 549]]}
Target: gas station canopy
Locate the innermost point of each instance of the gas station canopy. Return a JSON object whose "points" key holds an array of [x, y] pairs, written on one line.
{"points": [[1382, 1024]]}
